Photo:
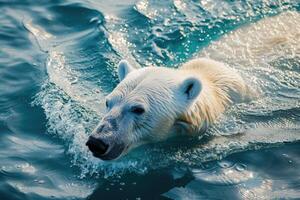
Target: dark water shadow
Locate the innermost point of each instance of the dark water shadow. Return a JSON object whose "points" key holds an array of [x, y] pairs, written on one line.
{"points": [[137, 186]]}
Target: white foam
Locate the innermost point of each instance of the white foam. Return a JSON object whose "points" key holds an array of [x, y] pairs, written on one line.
{"points": [[256, 51], [258, 44]]}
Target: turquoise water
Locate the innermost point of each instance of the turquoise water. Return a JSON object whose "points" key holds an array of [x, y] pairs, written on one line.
{"points": [[58, 61]]}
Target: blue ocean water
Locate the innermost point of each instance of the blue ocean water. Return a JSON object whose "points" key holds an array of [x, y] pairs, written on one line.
{"points": [[58, 61]]}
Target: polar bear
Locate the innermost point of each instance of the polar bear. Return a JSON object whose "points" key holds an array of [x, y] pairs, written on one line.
{"points": [[154, 103]]}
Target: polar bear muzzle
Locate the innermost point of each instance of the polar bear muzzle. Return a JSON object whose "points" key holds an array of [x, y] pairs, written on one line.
{"points": [[103, 144], [104, 149]]}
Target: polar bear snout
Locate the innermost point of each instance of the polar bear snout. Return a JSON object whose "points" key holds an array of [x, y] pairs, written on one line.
{"points": [[105, 148], [96, 145], [105, 141]]}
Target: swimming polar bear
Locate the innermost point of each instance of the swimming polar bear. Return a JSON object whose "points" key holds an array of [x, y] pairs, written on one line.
{"points": [[155, 103]]}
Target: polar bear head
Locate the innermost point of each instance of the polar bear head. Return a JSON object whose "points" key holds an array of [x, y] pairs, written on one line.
{"points": [[144, 107]]}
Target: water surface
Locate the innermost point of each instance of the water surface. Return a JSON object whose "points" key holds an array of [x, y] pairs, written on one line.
{"points": [[58, 61]]}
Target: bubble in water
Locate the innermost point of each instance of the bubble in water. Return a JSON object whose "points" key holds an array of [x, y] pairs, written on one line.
{"points": [[39, 181], [225, 164], [73, 80], [240, 167]]}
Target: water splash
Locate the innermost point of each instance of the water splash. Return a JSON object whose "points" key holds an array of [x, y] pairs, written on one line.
{"points": [[253, 50]]}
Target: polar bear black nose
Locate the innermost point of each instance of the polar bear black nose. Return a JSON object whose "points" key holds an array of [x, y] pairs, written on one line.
{"points": [[96, 145]]}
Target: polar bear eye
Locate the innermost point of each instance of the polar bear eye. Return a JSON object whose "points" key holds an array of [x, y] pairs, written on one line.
{"points": [[137, 110], [106, 104]]}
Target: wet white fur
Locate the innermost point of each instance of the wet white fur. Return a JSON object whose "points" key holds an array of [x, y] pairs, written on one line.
{"points": [[176, 101]]}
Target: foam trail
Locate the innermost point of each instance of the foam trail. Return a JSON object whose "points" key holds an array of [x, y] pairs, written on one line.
{"points": [[61, 74], [65, 78], [259, 43], [267, 54], [71, 107]]}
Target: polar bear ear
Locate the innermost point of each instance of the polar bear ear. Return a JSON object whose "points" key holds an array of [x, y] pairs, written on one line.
{"points": [[191, 88], [124, 68]]}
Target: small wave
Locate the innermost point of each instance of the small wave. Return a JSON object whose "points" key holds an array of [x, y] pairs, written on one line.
{"points": [[225, 173], [44, 38]]}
